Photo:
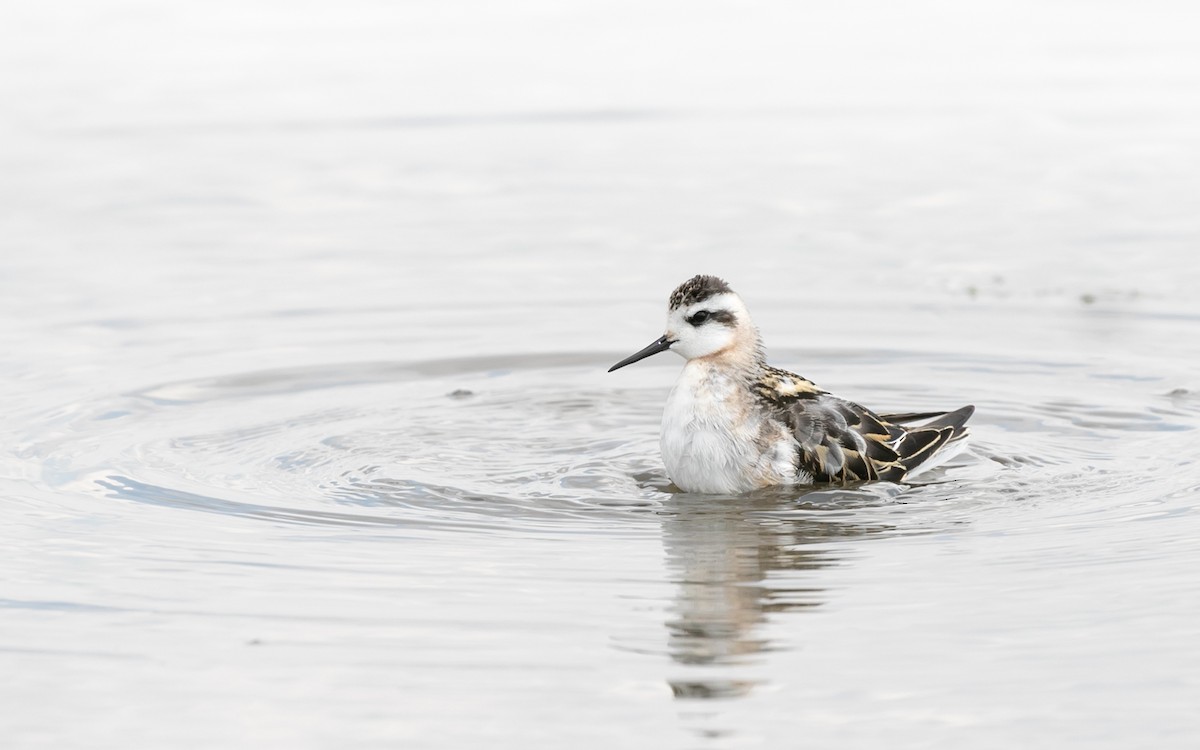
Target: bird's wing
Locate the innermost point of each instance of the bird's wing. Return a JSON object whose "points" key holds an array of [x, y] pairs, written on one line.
{"points": [[840, 441], [911, 416]]}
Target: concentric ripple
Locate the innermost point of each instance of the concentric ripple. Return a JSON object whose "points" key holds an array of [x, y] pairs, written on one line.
{"points": [[543, 440]]}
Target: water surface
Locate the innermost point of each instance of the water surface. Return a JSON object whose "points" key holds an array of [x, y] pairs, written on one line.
{"points": [[308, 439]]}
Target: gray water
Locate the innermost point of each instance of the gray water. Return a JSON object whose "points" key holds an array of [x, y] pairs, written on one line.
{"points": [[308, 440]]}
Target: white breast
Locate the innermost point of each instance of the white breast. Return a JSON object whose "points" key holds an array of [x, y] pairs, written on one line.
{"points": [[714, 439]]}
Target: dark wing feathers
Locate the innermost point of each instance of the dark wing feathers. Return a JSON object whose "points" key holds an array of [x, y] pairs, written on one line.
{"points": [[840, 441], [911, 416], [956, 419]]}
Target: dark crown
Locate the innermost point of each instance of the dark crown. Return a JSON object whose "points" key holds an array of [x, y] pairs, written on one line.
{"points": [[697, 289]]}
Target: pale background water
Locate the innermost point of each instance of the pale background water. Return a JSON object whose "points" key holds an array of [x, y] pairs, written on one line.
{"points": [[308, 443]]}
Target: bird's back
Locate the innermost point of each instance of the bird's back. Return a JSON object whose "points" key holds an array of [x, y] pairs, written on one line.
{"points": [[841, 441]]}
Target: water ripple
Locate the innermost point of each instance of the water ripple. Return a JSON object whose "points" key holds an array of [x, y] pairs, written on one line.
{"points": [[542, 441]]}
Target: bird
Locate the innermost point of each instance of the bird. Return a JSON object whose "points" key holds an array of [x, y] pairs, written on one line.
{"points": [[733, 423]]}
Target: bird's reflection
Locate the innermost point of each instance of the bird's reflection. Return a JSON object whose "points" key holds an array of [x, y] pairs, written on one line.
{"points": [[737, 559]]}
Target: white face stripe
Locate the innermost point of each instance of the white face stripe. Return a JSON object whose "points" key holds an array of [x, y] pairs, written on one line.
{"points": [[700, 341], [727, 301]]}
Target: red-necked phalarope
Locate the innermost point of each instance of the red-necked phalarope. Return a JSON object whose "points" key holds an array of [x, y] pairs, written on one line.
{"points": [[733, 423]]}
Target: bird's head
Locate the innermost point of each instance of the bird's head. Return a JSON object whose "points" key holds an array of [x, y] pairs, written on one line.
{"points": [[705, 318]]}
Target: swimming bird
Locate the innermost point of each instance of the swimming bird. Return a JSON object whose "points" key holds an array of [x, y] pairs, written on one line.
{"points": [[733, 423]]}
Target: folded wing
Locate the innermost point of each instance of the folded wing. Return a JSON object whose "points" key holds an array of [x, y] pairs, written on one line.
{"points": [[840, 441]]}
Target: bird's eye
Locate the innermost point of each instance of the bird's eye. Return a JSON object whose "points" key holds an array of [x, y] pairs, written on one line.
{"points": [[698, 318]]}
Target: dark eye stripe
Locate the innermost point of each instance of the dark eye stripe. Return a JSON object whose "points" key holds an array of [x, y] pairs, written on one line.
{"points": [[724, 317]]}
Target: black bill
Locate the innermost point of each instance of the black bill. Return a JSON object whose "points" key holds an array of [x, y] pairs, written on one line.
{"points": [[661, 345]]}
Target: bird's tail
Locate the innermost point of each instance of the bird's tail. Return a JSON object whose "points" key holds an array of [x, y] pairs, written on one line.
{"points": [[933, 443]]}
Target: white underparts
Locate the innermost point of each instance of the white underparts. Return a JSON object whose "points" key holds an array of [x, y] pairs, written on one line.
{"points": [[716, 440]]}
